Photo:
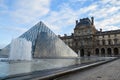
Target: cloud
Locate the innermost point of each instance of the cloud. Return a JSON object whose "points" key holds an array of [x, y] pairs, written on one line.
{"points": [[28, 11], [106, 13], [65, 17], [112, 2], [2, 4], [61, 19], [3, 7], [14, 29], [40, 9], [58, 20], [22, 12], [111, 28]]}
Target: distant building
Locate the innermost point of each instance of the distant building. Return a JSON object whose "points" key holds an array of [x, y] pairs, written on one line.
{"points": [[90, 41]]}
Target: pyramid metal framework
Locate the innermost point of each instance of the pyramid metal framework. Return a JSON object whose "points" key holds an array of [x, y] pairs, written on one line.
{"points": [[45, 43]]}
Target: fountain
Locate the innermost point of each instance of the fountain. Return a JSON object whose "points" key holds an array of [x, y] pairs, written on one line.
{"points": [[20, 49]]}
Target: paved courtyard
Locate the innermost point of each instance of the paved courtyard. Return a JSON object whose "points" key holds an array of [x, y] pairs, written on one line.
{"points": [[109, 71]]}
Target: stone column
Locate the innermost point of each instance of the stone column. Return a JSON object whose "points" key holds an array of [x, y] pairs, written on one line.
{"points": [[119, 51], [112, 51], [99, 51], [106, 54]]}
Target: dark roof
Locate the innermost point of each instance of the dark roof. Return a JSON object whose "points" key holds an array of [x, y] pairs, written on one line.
{"points": [[84, 22], [109, 32], [66, 37]]}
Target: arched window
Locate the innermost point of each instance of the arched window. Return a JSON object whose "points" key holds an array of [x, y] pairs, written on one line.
{"points": [[116, 51], [97, 51], [109, 51], [82, 52], [102, 52]]}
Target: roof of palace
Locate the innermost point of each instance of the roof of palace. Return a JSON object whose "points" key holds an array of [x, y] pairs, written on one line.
{"points": [[84, 22]]}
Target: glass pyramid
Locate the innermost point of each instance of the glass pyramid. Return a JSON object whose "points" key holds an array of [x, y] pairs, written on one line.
{"points": [[45, 44]]}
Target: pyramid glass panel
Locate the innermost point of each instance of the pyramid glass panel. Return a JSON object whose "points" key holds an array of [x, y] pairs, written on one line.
{"points": [[45, 44]]}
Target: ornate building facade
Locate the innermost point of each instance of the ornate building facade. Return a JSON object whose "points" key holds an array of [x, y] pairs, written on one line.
{"points": [[89, 41]]}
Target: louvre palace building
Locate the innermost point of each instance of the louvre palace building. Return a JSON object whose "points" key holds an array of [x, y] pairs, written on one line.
{"points": [[87, 40]]}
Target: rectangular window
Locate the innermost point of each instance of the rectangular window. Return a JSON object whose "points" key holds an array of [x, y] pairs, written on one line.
{"points": [[115, 35], [76, 44], [115, 41], [103, 42], [98, 42], [103, 36], [109, 42]]}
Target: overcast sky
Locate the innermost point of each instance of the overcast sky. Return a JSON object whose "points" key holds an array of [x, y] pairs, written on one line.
{"points": [[17, 16]]}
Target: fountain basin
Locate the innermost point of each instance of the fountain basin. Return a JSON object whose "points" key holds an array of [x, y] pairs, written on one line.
{"points": [[8, 68]]}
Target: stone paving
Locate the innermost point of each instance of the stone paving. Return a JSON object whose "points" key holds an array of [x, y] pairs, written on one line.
{"points": [[108, 71]]}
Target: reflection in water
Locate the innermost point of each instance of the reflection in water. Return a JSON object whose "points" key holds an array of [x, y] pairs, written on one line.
{"points": [[18, 67]]}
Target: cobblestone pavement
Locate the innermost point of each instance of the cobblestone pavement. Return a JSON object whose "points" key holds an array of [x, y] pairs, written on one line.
{"points": [[108, 71]]}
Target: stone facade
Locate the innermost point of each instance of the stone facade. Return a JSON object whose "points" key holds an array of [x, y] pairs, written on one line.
{"points": [[89, 41]]}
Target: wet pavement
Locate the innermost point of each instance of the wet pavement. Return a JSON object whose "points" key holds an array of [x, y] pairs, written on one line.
{"points": [[108, 71]]}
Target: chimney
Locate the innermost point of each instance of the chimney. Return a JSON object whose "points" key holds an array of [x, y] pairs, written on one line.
{"points": [[92, 19], [100, 30], [72, 34], [65, 35], [80, 20], [76, 21]]}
